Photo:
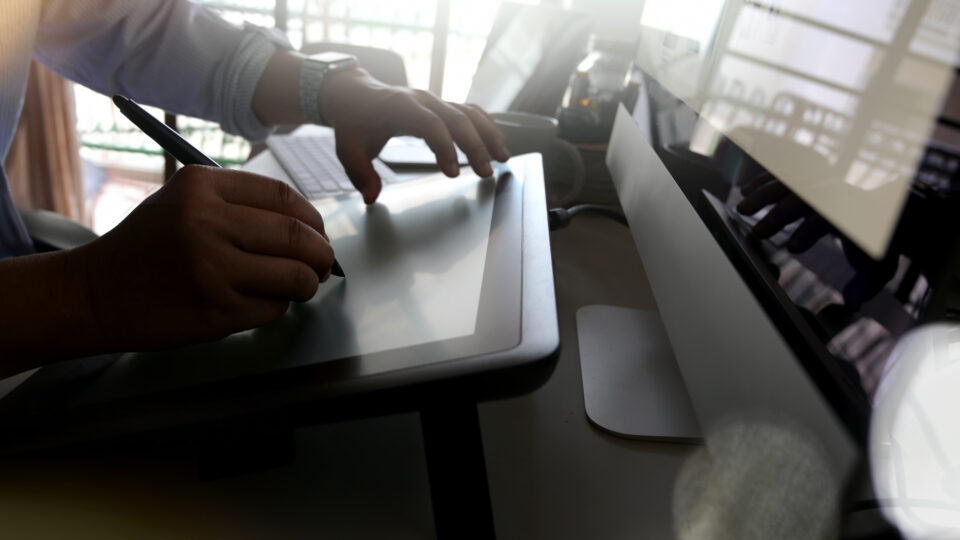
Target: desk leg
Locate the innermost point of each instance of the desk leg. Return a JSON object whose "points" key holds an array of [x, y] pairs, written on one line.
{"points": [[245, 446], [458, 474]]}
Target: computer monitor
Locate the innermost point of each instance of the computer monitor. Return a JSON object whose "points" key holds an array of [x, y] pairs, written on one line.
{"points": [[793, 195]]}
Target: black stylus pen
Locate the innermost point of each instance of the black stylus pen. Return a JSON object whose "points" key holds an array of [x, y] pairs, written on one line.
{"points": [[172, 142]]}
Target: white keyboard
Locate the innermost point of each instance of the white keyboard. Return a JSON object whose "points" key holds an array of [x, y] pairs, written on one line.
{"points": [[312, 163]]}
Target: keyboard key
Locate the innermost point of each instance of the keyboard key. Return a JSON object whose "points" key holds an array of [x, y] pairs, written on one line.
{"points": [[312, 163]]}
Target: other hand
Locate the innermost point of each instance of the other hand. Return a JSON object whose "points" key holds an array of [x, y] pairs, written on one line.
{"points": [[366, 113], [766, 190]]}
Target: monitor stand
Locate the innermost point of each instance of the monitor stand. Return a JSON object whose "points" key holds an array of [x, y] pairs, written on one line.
{"points": [[632, 386]]}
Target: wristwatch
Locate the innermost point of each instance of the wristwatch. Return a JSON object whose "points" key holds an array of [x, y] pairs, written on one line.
{"points": [[312, 73]]}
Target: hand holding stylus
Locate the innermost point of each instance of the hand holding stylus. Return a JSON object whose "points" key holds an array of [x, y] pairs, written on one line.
{"points": [[212, 252], [172, 142]]}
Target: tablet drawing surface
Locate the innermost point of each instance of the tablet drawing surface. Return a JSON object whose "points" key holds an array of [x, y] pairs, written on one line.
{"points": [[414, 262]]}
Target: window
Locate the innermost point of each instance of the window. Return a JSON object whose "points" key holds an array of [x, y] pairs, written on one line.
{"points": [[411, 28]]}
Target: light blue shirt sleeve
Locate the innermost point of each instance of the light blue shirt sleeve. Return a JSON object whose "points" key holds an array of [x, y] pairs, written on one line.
{"points": [[172, 54]]}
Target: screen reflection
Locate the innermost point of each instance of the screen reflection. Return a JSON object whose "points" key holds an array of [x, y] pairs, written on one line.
{"points": [[861, 84]]}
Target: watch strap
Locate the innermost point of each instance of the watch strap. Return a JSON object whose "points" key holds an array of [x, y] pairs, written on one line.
{"points": [[312, 74], [311, 78]]}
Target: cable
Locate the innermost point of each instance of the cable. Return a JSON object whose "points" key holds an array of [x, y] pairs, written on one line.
{"points": [[576, 160], [558, 218]]}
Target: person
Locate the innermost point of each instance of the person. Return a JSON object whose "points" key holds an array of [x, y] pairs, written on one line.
{"points": [[213, 251]]}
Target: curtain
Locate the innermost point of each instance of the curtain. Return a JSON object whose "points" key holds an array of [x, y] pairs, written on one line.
{"points": [[43, 164]]}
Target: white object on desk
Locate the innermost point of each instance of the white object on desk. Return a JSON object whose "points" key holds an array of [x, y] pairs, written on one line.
{"points": [[409, 151]]}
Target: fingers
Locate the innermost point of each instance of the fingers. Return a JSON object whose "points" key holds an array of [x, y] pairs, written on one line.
{"points": [[419, 121], [263, 232], [488, 130], [441, 124], [465, 134], [378, 112], [761, 197], [461, 127], [359, 168], [781, 215], [274, 278], [758, 182], [258, 311], [812, 229], [255, 191]]}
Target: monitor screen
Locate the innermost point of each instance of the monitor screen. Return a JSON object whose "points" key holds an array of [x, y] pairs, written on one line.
{"points": [[820, 142], [855, 88]]}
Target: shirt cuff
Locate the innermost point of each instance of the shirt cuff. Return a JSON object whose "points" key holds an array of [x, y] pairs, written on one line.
{"points": [[247, 65]]}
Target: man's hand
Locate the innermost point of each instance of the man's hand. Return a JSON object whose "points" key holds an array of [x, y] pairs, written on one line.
{"points": [[766, 190], [211, 253], [366, 113]]}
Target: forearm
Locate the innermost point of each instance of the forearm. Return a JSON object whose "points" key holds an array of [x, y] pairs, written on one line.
{"points": [[276, 100], [46, 315]]}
